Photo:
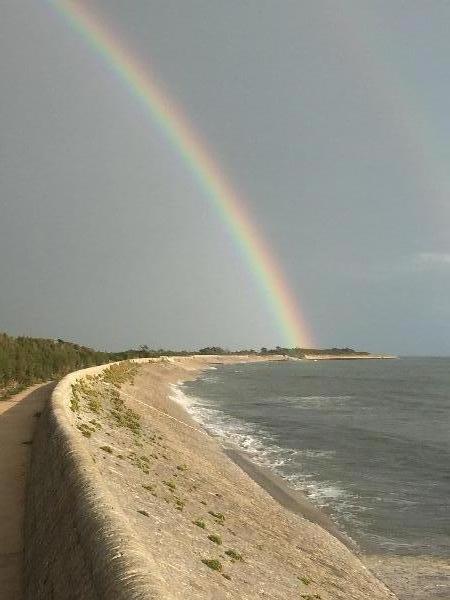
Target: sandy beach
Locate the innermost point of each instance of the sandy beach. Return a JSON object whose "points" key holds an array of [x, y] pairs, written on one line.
{"points": [[209, 529]]}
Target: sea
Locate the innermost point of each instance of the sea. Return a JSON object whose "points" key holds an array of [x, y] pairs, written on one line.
{"points": [[368, 441]]}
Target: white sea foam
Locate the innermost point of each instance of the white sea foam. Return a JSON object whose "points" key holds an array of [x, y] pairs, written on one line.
{"points": [[262, 449], [249, 437]]}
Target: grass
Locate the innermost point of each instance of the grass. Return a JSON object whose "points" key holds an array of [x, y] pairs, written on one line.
{"points": [[182, 467], [180, 504], [148, 486], [233, 554], [212, 563], [94, 405], [170, 485], [126, 417], [107, 449], [74, 403], [304, 579], [215, 538], [123, 372], [93, 392], [200, 523], [220, 518], [85, 430]]}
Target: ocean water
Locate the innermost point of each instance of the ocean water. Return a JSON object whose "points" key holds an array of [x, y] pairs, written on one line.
{"points": [[368, 441]]}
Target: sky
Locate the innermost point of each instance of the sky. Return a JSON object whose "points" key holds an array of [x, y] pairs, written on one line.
{"points": [[330, 119]]}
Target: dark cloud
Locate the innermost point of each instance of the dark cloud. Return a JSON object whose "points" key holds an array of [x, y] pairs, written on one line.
{"points": [[332, 122]]}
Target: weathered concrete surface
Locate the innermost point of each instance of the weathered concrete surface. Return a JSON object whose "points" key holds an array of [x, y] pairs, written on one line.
{"points": [[105, 519], [18, 417], [78, 546]]}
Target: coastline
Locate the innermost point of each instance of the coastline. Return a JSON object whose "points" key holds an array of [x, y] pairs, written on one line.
{"points": [[315, 357], [411, 577], [206, 528], [293, 500], [275, 486]]}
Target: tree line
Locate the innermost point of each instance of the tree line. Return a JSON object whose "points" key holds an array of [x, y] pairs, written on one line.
{"points": [[27, 360]]}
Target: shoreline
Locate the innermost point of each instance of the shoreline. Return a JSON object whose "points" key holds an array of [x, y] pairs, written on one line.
{"points": [[293, 500], [315, 357], [407, 575], [204, 527]]}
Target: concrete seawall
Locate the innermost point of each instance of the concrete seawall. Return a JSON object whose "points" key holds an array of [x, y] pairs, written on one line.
{"points": [[126, 497], [76, 542]]}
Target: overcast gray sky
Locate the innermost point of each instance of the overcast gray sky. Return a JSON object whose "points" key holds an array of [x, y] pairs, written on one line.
{"points": [[331, 118]]}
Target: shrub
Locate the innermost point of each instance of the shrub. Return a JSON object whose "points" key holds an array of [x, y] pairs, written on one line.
{"points": [[233, 554], [170, 485], [200, 523], [215, 538], [220, 518], [212, 563]]}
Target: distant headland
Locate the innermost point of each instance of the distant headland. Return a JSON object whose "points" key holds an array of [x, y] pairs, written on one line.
{"points": [[25, 361]]}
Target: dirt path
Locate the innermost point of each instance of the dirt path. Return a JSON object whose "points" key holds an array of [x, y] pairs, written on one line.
{"points": [[18, 417]]}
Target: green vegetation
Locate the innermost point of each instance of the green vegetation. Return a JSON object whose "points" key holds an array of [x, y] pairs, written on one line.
{"points": [[125, 417], [139, 463], [179, 504], [212, 563], [233, 554], [220, 518], [107, 449], [120, 373], [215, 538], [170, 485], [25, 360], [200, 523], [305, 580], [100, 394], [85, 429]]}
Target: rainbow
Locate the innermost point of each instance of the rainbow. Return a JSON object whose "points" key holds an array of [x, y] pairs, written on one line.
{"points": [[161, 109]]}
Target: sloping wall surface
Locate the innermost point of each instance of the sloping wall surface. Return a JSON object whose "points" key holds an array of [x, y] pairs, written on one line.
{"points": [[76, 545]]}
